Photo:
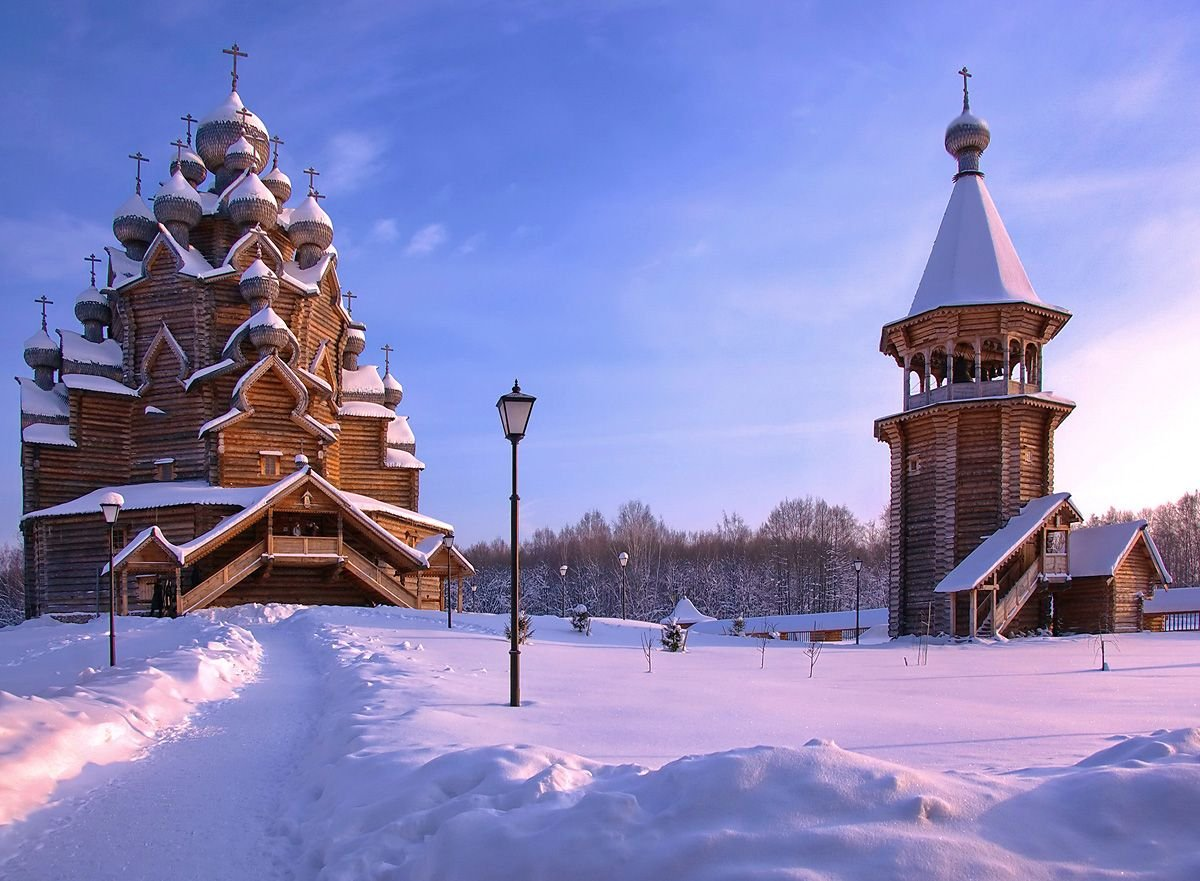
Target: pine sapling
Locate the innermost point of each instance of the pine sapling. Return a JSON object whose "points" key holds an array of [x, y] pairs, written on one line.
{"points": [[674, 638], [524, 628], [581, 620]]}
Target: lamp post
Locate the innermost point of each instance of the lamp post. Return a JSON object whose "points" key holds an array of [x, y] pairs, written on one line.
{"points": [[857, 595], [562, 578], [623, 559], [515, 408], [448, 544], [110, 506]]}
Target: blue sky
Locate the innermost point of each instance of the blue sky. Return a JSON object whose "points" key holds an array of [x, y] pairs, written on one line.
{"points": [[682, 225]]}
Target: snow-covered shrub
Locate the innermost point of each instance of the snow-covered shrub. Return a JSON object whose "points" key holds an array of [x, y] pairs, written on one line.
{"points": [[739, 626], [524, 628], [673, 636], [581, 620]]}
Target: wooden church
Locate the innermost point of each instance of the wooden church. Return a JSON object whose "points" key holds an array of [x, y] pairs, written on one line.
{"points": [[980, 542], [218, 386]]}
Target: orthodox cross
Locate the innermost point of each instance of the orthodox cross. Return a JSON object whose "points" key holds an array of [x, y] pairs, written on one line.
{"points": [[312, 173], [45, 302], [276, 140], [189, 119], [387, 350], [965, 74], [236, 53], [139, 159], [178, 145], [317, 194], [92, 259], [349, 297], [245, 115]]}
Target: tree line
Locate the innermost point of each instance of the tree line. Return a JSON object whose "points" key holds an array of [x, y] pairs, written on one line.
{"points": [[1175, 528]]}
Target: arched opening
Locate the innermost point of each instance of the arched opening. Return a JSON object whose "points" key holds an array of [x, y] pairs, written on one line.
{"points": [[1014, 359], [1033, 365], [991, 362], [964, 363], [939, 368], [916, 374]]}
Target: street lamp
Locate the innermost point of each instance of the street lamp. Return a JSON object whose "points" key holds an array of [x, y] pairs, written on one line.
{"points": [[857, 595], [448, 544], [515, 408], [110, 505], [623, 559], [562, 578]]}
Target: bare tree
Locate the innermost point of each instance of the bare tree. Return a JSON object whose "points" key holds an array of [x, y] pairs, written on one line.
{"points": [[648, 650], [12, 584], [813, 651]]}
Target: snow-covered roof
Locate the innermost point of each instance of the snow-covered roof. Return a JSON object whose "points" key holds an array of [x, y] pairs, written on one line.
{"points": [[309, 211], [251, 187], [1001, 544], [41, 340], [1097, 551], [390, 382], [158, 494], [365, 409], [309, 279], [177, 186], [368, 504], [208, 372], [973, 260], [47, 434], [229, 111], [266, 317], [86, 382], [843, 620], [134, 206], [191, 261], [364, 380], [37, 401], [400, 432], [75, 347], [255, 320], [394, 458], [91, 295], [1177, 599], [258, 269], [241, 145], [124, 267], [685, 612], [432, 546]]}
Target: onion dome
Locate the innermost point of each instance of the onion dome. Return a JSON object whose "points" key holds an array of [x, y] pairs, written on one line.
{"points": [[134, 226], [279, 184], [259, 285], [301, 460], [251, 202], [393, 392], [223, 126], [240, 156], [44, 356], [967, 136], [356, 342], [91, 306], [268, 332], [311, 230], [177, 207], [192, 166]]}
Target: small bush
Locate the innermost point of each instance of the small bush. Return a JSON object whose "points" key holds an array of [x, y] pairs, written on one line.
{"points": [[524, 628], [673, 636], [581, 620]]}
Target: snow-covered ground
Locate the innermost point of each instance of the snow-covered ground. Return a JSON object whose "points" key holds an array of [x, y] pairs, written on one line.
{"points": [[376, 744]]}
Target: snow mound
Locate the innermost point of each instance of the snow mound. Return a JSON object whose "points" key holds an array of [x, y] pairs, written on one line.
{"points": [[251, 614], [1182, 745]]}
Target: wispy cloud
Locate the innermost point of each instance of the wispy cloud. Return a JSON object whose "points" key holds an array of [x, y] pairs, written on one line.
{"points": [[471, 243], [351, 158], [426, 240], [385, 230], [49, 246]]}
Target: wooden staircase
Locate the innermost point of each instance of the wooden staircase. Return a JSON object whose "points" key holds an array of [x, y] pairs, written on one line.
{"points": [[224, 579], [366, 571], [1013, 601]]}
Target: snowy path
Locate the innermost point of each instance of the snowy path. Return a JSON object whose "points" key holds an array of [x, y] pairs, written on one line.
{"points": [[201, 804]]}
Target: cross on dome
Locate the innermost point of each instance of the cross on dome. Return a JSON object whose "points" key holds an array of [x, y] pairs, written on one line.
{"points": [[236, 52], [318, 195], [178, 145], [965, 74], [387, 350], [277, 141], [45, 301], [312, 173], [92, 259], [189, 119], [139, 159], [245, 114], [349, 297]]}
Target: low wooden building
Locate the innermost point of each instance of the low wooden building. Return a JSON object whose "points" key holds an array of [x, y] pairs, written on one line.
{"points": [[1172, 610], [837, 626], [219, 386]]}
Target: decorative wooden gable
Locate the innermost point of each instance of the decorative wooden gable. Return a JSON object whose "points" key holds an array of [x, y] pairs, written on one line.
{"points": [[164, 361]]}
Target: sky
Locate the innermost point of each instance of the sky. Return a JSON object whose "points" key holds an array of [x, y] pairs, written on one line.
{"points": [[680, 224]]}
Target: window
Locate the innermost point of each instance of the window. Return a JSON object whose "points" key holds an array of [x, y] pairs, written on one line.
{"points": [[164, 469], [1056, 542], [268, 462], [914, 464]]}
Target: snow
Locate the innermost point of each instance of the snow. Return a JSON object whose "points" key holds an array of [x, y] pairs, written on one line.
{"points": [[1177, 599], [842, 620], [266, 317], [1098, 550], [124, 268], [155, 411], [390, 382], [75, 347], [41, 340], [685, 612], [309, 280], [191, 261], [363, 381], [250, 188], [228, 111], [365, 409], [91, 295], [400, 432], [369, 505], [309, 211], [156, 494], [219, 421], [208, 372], [235, 338], [64, 710], [394, 458], [47, 434], [242, 146], [997, 547], [134, 206], [37, 401], [257, 269], [973, 259], [178, 187], [375, 743], [88, 383]]}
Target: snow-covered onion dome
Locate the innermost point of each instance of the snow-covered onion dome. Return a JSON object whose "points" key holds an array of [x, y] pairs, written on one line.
{"points": [[268, 332], [356, 342], [223, 126], [279, 184], [134, 226], [393, 392], [44, 356], [252, 203], [192, 166], [241, 156], [966, 138], [177, 207], [94, 313], [259, 285], [311, 231]]}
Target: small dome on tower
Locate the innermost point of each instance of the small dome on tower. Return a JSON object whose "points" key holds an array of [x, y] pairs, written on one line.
{"points": [[259, 285], [251, 202], [356, 338], [133, 224], [91, 305], [177, 202], [223, 126], [310, 225], [393, 392], [241, 155], [192, 166], [268, 332], [967, 132], [279, 184], [42, 352]]}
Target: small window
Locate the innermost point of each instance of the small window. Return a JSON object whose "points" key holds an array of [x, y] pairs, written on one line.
{"points": [[268, 464], [914, 464], [164, 469], [119, 539], [1056, 542]]}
